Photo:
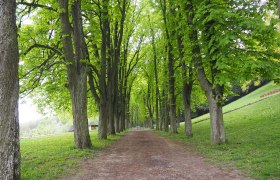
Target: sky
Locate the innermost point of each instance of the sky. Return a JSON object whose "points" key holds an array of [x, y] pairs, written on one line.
{"points": [[27, 112]]}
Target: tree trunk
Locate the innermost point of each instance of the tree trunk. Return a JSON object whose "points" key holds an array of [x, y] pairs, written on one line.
{"points": [[187, 89], [103, 109], [9, 93], [156, 78], [216, 118], [117, 125], [172, 98], [171, 71], [127, 114], [119, 106], [187, 111], [76, 71], [81, 131], [111, 96], [164, 112]]}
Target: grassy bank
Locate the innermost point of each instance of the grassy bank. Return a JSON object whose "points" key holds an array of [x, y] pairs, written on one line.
{"points": [[51, 157], [253, 135]]}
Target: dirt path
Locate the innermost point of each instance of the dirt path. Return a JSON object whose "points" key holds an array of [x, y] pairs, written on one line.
{"points": [[143, 155]]}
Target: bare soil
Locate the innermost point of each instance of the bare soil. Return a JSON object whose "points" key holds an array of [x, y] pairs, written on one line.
{"points": [[142, 155]]}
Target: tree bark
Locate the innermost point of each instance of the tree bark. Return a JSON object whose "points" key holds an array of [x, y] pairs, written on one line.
{"points": [[9, 93], [76, 70]]}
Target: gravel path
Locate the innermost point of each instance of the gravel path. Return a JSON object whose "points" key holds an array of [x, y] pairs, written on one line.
{"points": [[142, 155]]}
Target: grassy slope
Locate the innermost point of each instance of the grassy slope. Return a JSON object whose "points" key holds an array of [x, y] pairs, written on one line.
{"points": [[50, 157], [253, 135], [250, 98]]}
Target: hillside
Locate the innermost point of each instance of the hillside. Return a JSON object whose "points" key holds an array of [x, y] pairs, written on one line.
{"points": [[252, 133]]}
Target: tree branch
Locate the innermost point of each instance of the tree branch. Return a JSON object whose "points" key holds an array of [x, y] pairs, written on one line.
{"points": [[36, 45], [34, 5]]}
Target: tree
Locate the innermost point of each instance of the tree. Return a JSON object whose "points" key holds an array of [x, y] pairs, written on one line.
{"points": [[76, 70], [168, 8], [105, 28], [156, 75], [186, 62], [243, 51], [9, 93]]}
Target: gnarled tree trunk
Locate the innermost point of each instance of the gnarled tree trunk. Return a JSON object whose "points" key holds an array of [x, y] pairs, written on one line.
{"points": [[9, 92]]}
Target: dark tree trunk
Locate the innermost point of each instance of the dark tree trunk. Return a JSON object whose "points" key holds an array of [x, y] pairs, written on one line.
{"points": [[110, 95], [164, 112], [103, 108], [93, 87], [111, 85], [187, 89], [156, 78], [172, 98], [76, 71], [187, 109], [119, 97], [149, 105], [171, 71], [93, 80], [9, 92], [127, 116]]}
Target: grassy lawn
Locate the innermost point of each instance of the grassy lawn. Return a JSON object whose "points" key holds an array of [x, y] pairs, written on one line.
{"points": [[253, 135], [250, 98], [51, 157]]}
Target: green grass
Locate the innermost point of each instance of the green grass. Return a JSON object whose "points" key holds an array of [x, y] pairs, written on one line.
{"points": [[52, 157], [253, 135], [250, 98]]}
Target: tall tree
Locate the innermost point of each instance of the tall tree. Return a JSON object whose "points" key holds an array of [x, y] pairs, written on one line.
{"points": [[156, 75], [9, 92], [105, 30], [236, 47], [168, 8], [186, 63], [76, 69]]}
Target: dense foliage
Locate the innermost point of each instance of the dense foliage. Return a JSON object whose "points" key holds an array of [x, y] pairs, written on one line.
{"points": [[148, 62]]}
